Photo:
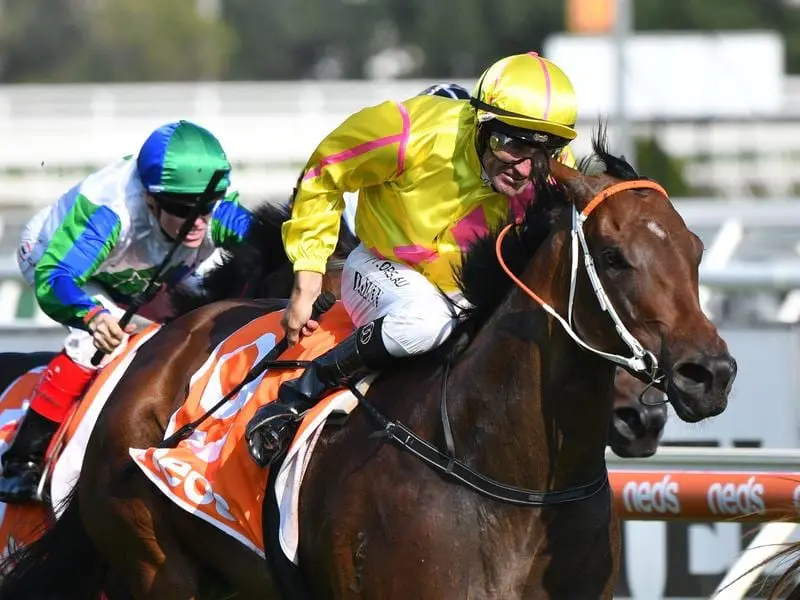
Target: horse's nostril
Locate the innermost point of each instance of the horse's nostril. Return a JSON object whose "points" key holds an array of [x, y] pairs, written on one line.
{"points": [[696, 373], [630, 417]]}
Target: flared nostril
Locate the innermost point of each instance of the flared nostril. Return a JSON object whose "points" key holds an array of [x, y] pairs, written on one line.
{"points": [[712, 373], [697, 374]]}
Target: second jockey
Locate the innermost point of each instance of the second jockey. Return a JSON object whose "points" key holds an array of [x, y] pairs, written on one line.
{"points": [[433, 174], [95, 249]]}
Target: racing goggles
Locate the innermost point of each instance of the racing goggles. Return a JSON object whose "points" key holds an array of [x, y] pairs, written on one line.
{"points": [[523, 148], [182, 207]]}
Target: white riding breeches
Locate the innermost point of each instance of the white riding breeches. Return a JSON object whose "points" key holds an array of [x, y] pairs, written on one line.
{"points": [[418, 318]]}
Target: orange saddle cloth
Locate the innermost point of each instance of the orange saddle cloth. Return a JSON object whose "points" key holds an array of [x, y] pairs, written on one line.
{"points": [[210, 473]]}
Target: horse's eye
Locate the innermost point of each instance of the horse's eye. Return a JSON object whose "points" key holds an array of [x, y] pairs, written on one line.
{"points": [[613, 259]]}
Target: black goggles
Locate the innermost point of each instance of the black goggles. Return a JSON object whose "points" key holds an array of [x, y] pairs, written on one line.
{"points": [[181, 208], [525, 148]]}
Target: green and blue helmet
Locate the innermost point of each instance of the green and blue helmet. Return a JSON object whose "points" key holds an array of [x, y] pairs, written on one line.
{"points": [[178, 159]]}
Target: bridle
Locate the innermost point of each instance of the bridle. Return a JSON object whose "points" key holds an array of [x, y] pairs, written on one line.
{"points": [[642, 361]]}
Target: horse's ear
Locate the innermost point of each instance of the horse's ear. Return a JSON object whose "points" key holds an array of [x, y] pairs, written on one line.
{"points": [[574, 181]]}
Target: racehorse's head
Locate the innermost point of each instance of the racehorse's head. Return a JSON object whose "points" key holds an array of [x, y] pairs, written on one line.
{"points": [[646, 260]]}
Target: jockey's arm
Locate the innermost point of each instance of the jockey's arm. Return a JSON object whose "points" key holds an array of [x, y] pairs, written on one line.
{"points": [[366, 150], [80, 244], [230, 221]]}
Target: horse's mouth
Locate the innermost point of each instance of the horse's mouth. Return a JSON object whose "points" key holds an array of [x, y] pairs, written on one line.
{"points": [[689, 408]]}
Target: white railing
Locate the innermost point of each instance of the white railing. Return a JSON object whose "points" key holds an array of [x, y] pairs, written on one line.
{"points": [[259, 123], [670, 458], [36, 153], [720, 272], [271, 128]]}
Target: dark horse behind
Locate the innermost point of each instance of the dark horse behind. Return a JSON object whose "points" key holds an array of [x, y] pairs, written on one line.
{"points": [[528, 407]]}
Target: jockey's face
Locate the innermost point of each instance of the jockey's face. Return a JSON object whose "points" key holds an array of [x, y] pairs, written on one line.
{"points": [[172, 224], [511, 163]]}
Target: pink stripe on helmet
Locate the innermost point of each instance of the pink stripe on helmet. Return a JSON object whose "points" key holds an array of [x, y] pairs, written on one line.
{"points": [[546, 72]]}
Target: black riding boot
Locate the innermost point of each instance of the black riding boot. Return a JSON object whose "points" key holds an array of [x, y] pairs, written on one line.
{"points": [[22, 462], [270, 430]]}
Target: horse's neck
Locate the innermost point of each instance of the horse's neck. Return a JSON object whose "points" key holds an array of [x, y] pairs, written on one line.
{"points": [[529, 407]]}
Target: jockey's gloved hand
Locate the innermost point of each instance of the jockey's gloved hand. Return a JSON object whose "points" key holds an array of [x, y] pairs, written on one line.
{"points": [[296, 319], [107, 333]]}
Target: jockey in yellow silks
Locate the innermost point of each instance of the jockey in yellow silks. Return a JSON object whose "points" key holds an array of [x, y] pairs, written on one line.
{"points": [[433, 174]]}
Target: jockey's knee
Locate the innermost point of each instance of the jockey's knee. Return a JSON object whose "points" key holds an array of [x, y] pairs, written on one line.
{"points": [[417, 328]]}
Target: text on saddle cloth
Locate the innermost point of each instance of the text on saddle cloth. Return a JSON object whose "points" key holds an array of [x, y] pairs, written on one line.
{"points": [[210, 473]]}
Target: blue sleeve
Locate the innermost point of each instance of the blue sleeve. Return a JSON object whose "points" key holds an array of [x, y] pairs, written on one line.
{"points": [[80, 244], [230, 222]]}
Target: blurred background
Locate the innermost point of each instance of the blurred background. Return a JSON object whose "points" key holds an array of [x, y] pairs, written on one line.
{"points": [[702, 95]]}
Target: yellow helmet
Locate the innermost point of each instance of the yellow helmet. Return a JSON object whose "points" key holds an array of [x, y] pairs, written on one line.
{"points": [[529, 92]]}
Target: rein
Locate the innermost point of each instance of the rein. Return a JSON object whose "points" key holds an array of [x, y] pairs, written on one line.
{"points": [[449, 466]]}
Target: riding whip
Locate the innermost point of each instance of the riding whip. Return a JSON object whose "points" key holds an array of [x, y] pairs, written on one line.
{"points": [[322, 304]]}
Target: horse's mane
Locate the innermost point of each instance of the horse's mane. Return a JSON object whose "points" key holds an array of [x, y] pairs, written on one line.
{"points": [[245, 266], [602, 161], [481, 279]]}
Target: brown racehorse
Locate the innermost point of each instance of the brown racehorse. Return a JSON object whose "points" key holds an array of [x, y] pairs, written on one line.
{"points": [[527, 405], [639, 413]]}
